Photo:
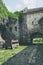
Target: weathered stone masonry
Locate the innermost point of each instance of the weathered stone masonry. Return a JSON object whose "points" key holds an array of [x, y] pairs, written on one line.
{"points": [[8, 30], [31, 24]]}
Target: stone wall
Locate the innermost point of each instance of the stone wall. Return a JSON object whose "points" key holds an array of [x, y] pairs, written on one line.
{"points": [[29, 25], [9, 30], [15, 29]]}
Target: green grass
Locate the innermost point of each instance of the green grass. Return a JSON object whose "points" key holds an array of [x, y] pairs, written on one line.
{"points": [[6, 54], [38, 41]]}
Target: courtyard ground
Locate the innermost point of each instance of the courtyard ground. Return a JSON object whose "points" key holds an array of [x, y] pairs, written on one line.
{"points": [[24, 55], [6, 54]]}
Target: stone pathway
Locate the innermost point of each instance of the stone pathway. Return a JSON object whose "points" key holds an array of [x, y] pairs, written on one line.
{"points": [[29, 56]]}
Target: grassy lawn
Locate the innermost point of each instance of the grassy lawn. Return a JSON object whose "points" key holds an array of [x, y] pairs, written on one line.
{"points": [[38, 41], [6, 54]]}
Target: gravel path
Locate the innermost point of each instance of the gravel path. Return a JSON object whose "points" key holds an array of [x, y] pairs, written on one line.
{"points": [[32, 55]]}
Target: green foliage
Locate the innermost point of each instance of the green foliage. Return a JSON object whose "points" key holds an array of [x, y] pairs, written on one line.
{"points": [[15, 14], [4, 11]]}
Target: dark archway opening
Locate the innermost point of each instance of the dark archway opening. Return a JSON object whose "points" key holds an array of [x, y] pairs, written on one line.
{"points": [[41, 23], [37, 38]]}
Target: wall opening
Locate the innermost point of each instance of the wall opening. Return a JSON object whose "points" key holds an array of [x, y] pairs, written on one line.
{"points": [[37, 38], [15, 28]]}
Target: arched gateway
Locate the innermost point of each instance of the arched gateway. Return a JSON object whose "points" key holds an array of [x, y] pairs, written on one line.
{"points": [[30, 25], [37, 38], [38, 34]]}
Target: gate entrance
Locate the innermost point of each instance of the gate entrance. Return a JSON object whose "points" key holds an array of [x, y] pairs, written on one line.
{"points": [[37, 38]]}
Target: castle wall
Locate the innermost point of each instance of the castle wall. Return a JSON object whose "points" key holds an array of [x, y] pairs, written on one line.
{"points": [[15, 29], [30, 25]]}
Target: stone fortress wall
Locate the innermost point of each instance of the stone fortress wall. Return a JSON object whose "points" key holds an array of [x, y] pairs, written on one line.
{"points": [[32, 22]]}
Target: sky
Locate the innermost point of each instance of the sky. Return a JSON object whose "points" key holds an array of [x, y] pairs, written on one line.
{"points": [[14, 5]]}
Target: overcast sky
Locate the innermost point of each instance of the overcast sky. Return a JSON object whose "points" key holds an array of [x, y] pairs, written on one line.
{"points": [[14, 5]]}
